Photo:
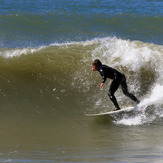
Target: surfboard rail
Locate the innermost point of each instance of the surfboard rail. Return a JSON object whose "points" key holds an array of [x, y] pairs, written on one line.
{"points": [[113, 112]]}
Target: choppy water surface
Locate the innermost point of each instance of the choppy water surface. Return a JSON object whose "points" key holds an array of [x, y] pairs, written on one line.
{"points": [[47, 86]]}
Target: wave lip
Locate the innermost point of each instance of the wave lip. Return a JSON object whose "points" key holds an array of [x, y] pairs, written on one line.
{"points": [[18, 52], [67, 66], [142, 64]]}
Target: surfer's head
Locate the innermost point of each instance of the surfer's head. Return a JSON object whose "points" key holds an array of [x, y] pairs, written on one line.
{"points": [[96, 64]]}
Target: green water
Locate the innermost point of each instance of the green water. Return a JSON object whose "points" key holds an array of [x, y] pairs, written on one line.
{"points": [[47, 85], [46, 92]]}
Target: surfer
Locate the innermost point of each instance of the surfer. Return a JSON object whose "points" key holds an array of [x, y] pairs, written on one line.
{"points": [[118, 79]]}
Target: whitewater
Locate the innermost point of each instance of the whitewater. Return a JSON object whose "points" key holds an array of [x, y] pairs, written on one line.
{"points": [[141, 62], [47, 85]]}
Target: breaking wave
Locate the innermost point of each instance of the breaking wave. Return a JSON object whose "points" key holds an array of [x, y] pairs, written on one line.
{"points": [[60, 72]]}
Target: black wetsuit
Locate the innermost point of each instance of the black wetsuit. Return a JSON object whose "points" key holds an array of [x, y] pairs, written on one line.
{"points": [[118, 79]]}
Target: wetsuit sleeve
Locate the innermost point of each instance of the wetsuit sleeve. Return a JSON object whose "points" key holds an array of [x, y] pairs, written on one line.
{"points": [[103, 75]]}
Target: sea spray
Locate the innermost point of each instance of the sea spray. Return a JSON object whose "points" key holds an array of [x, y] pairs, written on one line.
{"points": [[44, 93], [9, 53], [67, 66], [142, 64]]}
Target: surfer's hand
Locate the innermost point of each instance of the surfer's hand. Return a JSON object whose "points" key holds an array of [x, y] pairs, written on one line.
{"points": [[101, 85]]}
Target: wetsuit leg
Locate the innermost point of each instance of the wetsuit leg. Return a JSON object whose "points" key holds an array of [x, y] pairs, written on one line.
{"points": [[126, 92], [113, 87]]}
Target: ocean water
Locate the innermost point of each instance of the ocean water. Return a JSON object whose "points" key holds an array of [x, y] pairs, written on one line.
{"points": [[47, 85]]}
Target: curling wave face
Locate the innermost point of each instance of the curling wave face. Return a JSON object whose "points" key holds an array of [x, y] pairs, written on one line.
{"points": [[59, 72]]}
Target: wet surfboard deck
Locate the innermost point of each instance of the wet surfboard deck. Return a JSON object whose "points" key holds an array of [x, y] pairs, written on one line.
{"points": [[127, 109]]}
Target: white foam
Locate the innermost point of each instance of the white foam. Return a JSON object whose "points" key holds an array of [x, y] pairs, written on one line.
{"points": [[83, 43], [133, 54], [140, 119], [155, 97], [136, 55], [130, 121], [18, 52], [25, 51]]}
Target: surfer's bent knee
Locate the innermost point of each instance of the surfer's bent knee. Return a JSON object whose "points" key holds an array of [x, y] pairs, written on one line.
{"points": [[110, 94]]}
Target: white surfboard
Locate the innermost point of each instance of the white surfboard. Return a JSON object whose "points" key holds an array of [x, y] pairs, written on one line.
{"points": [[113, 112]]}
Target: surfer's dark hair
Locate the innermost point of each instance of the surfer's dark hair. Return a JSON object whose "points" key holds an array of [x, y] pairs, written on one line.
{"points": [[97, 63]]}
